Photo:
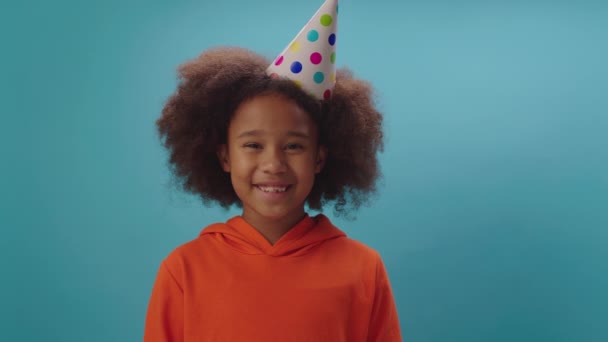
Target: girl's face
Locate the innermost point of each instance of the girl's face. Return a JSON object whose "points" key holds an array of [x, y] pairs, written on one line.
{"points": [[272, 155]]}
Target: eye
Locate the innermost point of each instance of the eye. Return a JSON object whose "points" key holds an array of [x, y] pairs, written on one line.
{"points": [[254, 146], [294, 146]]}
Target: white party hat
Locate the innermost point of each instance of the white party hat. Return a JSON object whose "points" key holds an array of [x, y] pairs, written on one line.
{"points": [[309, 60]]}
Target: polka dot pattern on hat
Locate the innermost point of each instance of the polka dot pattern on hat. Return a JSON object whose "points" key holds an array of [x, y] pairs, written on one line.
{"points": [[318, 77], [316, 58], [326, 20], [313, 35], [295, 47], [309, 59], [332, 39], [296, 67]]}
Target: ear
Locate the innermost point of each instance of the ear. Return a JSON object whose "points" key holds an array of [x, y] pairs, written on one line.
{"points": [[321, 157], [222, 156]]}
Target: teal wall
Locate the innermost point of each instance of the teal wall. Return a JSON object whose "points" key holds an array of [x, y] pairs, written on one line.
{"points": [[493, 212]]}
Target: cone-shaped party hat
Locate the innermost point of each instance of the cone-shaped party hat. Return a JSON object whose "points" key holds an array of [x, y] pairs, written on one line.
{"points": [[309, 60]]}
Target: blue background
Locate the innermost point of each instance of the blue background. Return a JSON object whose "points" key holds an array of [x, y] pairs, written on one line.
{"points": [[492, 215]]}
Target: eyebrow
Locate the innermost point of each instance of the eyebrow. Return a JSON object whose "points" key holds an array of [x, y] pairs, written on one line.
{"points": [[258, 132]]}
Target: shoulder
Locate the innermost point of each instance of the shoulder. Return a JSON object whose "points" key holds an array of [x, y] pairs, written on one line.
{"points": [[353, 252], [350, 248], [190, 252], [357, 247]]}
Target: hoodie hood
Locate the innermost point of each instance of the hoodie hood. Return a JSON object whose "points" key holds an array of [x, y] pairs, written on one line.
{"points": [[305, 235]]}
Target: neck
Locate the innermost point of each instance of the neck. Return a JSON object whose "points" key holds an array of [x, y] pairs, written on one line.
{"points": [[273, 229]]}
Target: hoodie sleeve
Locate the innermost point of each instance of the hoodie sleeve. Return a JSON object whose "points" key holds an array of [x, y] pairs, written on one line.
{"points": [[384, 323], [164, 319]]}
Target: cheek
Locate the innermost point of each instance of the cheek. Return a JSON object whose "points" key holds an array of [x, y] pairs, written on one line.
{"points": [[241, 165], [307, 169], [240, 182]]}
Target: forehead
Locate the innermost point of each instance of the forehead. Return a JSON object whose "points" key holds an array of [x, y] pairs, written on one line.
{"points": [[271, 113]]}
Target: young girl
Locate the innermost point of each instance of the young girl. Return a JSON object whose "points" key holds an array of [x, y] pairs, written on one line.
{"points": [[239, 134]]}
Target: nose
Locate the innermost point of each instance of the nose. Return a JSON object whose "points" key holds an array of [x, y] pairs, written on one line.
{"points": [[273, 161]]}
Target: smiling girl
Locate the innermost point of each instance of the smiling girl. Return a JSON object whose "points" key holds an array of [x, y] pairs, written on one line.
{"points": [[239, 135]]}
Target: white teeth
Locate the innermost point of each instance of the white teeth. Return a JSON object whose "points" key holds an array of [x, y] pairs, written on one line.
{"points": [[272, 189]]}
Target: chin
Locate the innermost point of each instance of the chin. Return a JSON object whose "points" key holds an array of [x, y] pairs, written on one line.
{"points": [[277, 214]]}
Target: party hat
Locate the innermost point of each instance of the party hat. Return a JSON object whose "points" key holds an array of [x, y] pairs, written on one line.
{"points": [[309, 60]]}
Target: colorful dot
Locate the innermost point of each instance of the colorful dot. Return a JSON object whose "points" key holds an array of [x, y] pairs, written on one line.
{"points": [[318, 77], [298, 83], [274, 75], [279, 60], [327, 94], [313, 35], [316, 58], [326, 20], [332, 39], [295, 47], [332, 77], [332, 58], [296, 67]]}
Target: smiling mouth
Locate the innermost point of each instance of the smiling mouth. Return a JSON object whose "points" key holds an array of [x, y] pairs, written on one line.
{"points": [[272, 189]]}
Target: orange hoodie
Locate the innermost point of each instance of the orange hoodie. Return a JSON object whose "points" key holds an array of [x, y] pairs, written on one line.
{"points": [[231, 285]]}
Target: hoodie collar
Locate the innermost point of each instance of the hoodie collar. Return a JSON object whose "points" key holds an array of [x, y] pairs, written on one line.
{"points": [[243, 237]]}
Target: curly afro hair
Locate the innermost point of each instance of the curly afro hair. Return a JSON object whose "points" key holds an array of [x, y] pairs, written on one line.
{"points": [[195, 119]]}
